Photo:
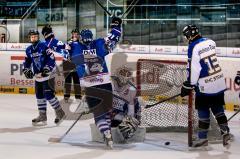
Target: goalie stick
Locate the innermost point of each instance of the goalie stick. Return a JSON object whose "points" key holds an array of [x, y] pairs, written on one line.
{"points": [[151, 105]]}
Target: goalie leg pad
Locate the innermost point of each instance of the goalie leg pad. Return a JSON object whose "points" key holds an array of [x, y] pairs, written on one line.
{"points": [[138, 136], [138, 109]]}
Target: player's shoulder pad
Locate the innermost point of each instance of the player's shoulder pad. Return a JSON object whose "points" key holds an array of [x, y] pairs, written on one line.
{"points": [[43, 45], [99, 41]]}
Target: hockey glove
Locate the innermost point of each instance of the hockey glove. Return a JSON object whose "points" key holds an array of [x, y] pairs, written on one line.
{"points": [[116, 22], [237, 78], [28, 73], [186, 89], [46, 72], [128, 127]]}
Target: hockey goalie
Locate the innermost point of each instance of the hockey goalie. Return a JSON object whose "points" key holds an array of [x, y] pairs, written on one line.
{"points": [[126, 113]]}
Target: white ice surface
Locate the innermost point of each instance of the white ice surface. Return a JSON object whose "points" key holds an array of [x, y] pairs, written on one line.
{"points": [[19, 140]]}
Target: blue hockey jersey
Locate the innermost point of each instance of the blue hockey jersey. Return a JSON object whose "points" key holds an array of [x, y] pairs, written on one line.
{"points": [[204, 70], [57, 47], [90, 59], [38, 57]]}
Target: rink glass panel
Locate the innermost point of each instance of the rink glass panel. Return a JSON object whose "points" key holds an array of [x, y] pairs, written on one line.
{"points": [[148, 23]]}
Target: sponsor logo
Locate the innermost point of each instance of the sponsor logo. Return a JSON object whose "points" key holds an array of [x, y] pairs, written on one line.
{"points": [[6, 90], [23, 90], [91, 52], [95, 80], [212, 79]]}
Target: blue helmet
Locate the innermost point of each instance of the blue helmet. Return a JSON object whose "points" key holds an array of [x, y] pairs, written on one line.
{"points": [[87, 36]]}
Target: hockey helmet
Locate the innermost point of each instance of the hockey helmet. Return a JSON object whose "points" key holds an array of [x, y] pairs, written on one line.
{"points": [[33, 39], [190, 31], [33, 32], [47, 31], [87, 36]]}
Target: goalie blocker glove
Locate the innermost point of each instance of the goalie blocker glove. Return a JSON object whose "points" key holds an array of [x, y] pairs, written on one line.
{"points": [[237, 78], [46, 71], [186, 89], [28, 73]]}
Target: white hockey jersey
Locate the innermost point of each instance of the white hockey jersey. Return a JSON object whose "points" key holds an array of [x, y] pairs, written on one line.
{"points": [[124, 97], [204, 70]]}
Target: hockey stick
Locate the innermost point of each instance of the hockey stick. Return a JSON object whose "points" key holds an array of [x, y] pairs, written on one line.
{"points": [[234, 114], [59, 139], [106, 11], [129, 10], [151, 105]]}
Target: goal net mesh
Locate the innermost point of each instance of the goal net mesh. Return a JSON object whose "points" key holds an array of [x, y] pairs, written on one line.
{"points": [[159, 80]]}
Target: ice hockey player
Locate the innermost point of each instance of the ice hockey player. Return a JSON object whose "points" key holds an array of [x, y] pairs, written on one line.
{"points": [[126, 114], [69, 70], [205, 76], [40, 63], [89, 58]]}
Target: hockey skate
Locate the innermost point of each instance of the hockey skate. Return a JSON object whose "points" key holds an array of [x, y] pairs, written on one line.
{"points": [[108, 139], [60, 116], [226, 140], [200, 144], [41, 120]]}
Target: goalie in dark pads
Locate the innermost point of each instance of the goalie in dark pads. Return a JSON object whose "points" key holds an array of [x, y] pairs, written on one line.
{"points": [[205, 76], [126, 112]]}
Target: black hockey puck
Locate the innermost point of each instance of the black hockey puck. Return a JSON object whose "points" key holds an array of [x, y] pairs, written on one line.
{"points": [[167, 143]]}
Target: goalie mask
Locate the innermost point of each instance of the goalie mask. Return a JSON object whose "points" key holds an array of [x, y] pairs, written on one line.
{"points": [[122, 76]]}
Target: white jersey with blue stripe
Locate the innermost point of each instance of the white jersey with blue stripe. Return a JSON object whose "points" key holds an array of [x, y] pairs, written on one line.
{"points": [[204, 69]]}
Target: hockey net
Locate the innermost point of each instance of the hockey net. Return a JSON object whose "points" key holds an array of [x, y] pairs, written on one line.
{"points": [[158, 80]]}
